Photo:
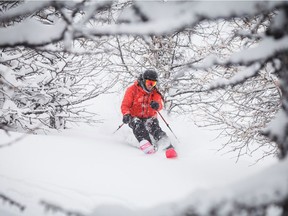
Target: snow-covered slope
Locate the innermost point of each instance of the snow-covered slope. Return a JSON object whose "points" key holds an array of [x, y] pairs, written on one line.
{"points": [[87, 168]]}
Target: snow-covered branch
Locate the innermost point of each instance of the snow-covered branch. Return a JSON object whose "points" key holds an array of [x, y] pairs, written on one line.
{"points": [[12, 202], [183, 14], [206, 63], [49, 207]]}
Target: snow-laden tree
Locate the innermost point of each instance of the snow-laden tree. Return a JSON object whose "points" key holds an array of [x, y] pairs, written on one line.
{"points": [[240, 111], [43, 85], [185, 85], [260, 58]]}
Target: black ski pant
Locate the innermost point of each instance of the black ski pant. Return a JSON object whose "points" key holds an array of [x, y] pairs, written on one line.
{"points": [[142, 127]]}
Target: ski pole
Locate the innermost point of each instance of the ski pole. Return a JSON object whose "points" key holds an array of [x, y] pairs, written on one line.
{"points": [[167, 125], [118, 128]]}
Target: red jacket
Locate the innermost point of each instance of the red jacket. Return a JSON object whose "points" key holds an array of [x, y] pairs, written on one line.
{"points": [[136, 101]]}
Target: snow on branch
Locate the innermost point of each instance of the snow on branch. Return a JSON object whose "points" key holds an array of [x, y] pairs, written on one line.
{"points": [[277, 128], [33, 33], [266, 48], [174, 16], [49, 207], [254, 58], [220, 83], [12, 202], [238, 78], [27, 8]]}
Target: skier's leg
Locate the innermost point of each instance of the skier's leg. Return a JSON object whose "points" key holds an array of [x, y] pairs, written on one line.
{"points": [[158, 134], [139, 129], [154, 129], [142, 135], [163, 142]]}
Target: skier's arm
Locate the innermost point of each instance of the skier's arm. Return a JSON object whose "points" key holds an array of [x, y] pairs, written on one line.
{"points": [[127, 101], [158, 99]]}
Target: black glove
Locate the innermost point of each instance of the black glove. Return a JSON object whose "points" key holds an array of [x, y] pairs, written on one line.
{"points": [[126, 118], [154, 105]]}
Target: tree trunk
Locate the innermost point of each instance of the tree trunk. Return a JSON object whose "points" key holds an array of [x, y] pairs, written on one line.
{"points": [[283, 141]]}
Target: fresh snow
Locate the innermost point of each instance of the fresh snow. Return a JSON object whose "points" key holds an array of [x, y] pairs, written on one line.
{"points": [[92, 171]]}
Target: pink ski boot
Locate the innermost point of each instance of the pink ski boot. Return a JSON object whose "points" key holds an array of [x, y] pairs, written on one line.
{"points": [[171, 153], [147, 147]]}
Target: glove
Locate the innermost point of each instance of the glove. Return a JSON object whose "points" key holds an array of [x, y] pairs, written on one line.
{"points": [[154, 105], [126, 118]]}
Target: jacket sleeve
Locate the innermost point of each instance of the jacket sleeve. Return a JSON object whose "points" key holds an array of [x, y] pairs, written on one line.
{"points": [[158, 98], [127, 101]]}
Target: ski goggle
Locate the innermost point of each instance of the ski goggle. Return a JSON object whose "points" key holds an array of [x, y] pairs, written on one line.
{"points": [[150, 83]]}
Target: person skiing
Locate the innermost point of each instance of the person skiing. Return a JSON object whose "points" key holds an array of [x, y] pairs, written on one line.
{"points": [[139, 107]]}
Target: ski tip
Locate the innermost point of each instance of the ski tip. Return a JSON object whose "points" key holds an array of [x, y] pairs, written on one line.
{"points": [[171, 153]]}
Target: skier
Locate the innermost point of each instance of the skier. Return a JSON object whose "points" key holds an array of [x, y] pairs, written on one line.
{"points": [[139, 107]]}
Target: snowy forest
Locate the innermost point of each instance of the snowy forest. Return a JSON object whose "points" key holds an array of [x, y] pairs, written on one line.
{"points": [[224, 64]]}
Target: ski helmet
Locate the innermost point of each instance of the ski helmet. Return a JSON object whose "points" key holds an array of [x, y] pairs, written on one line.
{"points": [[150, 75]]}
